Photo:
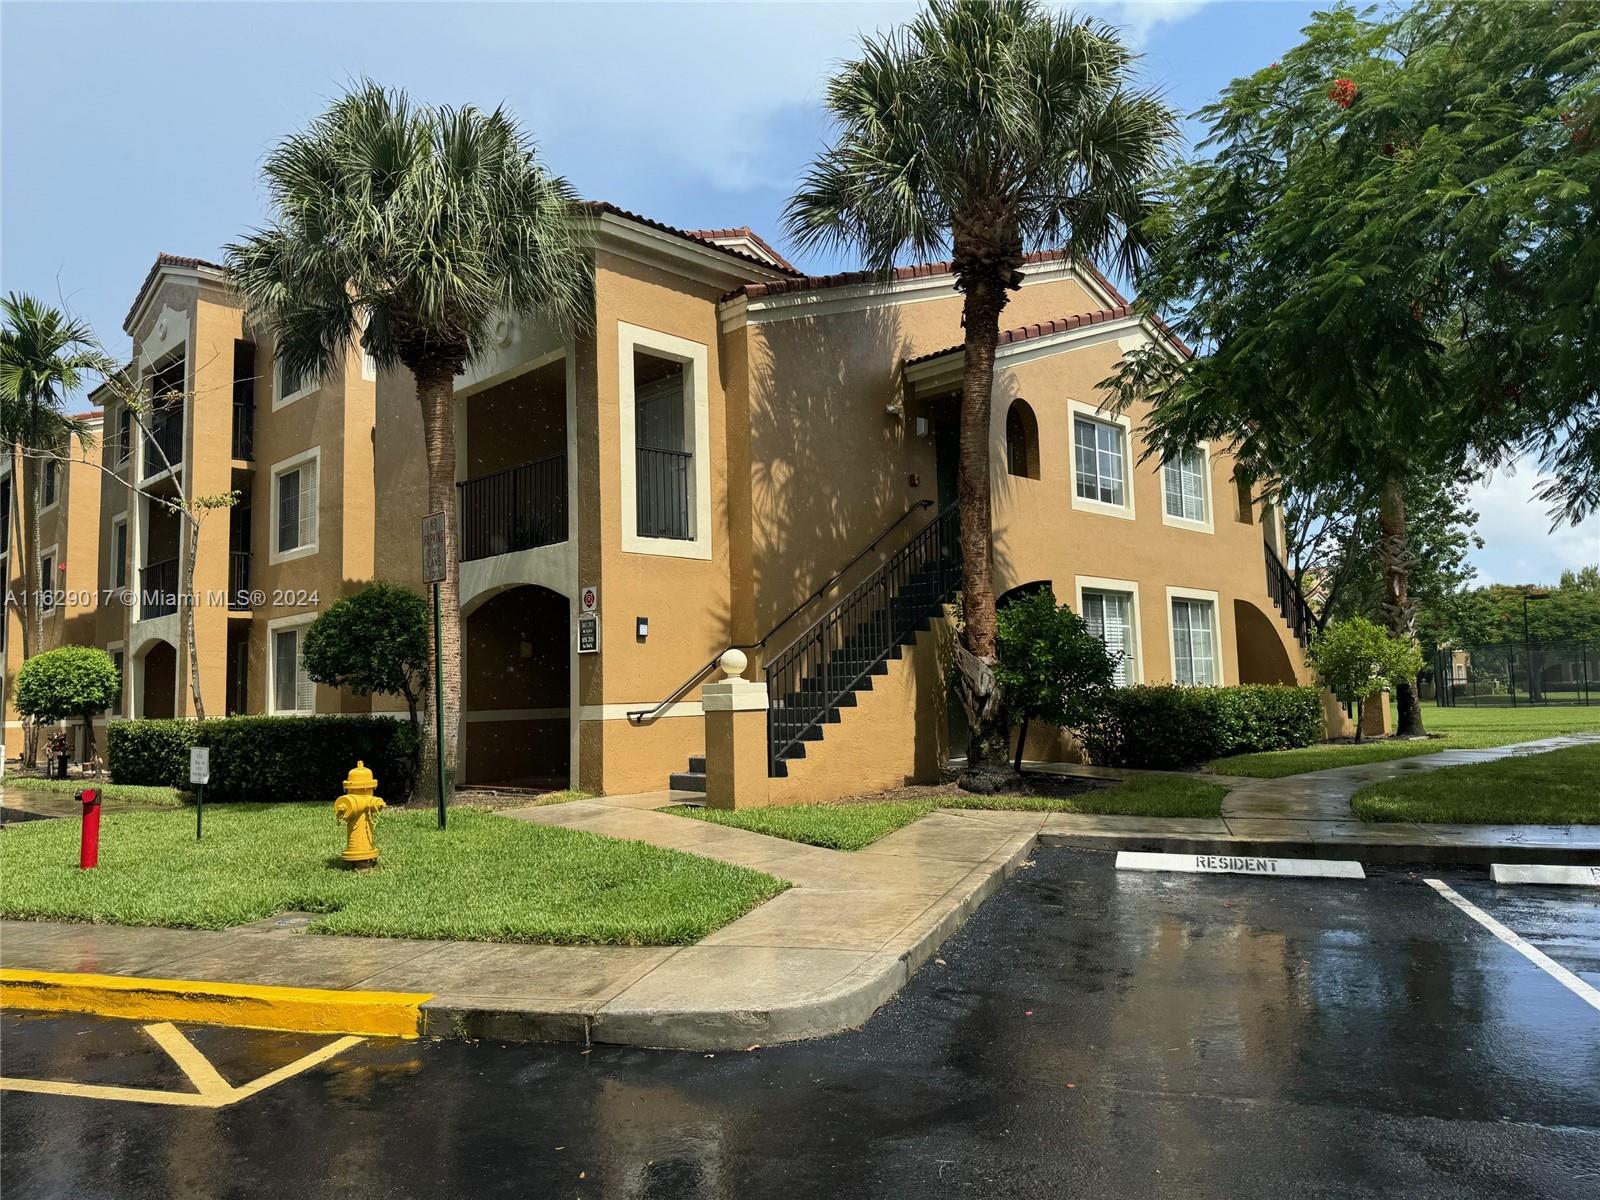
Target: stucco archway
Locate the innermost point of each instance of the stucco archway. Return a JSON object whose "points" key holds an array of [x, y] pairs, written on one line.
{"points": [[515, 694], [158, 680], [1263, 646]]}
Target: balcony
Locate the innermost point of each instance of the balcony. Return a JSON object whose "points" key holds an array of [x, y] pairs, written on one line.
{"points": [[239, 580], [163, 444], [158, 589], [663, 493], [515, 509], [244, 430]]}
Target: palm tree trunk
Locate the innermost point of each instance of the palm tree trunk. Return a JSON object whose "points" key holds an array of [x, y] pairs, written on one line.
{"points": [[984, 297], [1399, 616], [436, 394], [30, 741], [186, 609]]}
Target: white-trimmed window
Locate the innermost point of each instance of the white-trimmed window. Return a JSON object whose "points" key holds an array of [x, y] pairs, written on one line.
{"points": [[119, 551], [290, 385], [1196, 659], [1110, 617], [665, 426], [48, 592], [295, 506], [290, 691], [1185, 495], [1102, 478]]}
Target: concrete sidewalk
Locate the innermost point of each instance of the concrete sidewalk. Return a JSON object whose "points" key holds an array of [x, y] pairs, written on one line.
{"points": [[819, 958]]}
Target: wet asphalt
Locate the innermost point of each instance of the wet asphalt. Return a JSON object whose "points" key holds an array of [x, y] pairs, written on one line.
{"points": [[1087, 1033]]}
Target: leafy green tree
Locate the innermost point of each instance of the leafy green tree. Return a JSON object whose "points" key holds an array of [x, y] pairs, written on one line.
{"points": [[1387, 258], [69, 681], [1355, 658], [375, 640], [1050, 668], [982, 130], [408, 228]]}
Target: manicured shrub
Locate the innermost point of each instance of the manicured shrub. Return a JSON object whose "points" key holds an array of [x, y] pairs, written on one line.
{"points": [[268, 758], [375, 640], [69, 681], [1355, 658], [1169, 728], [1051, 667]]}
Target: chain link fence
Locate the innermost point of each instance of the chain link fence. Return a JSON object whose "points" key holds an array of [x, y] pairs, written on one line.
{"points": [[1518, 673]]}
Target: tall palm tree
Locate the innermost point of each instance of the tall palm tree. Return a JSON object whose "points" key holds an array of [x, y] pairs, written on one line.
{"points": [[986, 129], [409, 227], [44, 357]]}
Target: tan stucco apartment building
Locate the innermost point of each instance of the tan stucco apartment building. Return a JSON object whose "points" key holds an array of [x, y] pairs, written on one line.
{"points": [[737, 454]]}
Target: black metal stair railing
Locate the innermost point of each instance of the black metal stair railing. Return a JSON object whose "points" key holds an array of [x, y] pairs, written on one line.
{"points": [[1283, 592], [811, 678]]}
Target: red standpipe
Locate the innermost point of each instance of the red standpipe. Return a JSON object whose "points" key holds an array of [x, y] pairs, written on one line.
{"points": [[89, 844]]}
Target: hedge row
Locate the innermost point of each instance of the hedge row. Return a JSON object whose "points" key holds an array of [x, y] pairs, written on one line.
{"points": [[1168, 728], [267, 758]]}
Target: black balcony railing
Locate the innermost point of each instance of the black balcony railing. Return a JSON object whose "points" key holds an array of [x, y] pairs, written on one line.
{"points": [[663, 483], [515, 509], [239, 579], [163, 444], [1291, 604], [158, 589], [244, 429]]}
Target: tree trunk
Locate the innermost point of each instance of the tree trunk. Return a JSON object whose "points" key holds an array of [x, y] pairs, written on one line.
{"points": [[436, 393], [88, 738], [186, 611], [985, 296], [1022, 740], [30, 741], [1399, 615], [20, 599], [1361, 717]]}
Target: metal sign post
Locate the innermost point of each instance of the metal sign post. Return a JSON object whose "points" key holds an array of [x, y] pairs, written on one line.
{"points": [[200, 775], [434, 565]]}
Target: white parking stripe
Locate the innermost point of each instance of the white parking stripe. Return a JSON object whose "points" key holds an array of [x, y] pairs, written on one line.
{"points": [[1585, 992]]}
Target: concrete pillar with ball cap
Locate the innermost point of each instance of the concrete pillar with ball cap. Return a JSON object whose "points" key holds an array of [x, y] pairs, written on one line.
{"points": [[736, 737]]}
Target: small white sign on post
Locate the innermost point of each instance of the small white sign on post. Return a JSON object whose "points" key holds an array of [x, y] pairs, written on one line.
{"points": [[199, 764], [1563, 875], [589, 599], [1239, 864], [433, 558]]}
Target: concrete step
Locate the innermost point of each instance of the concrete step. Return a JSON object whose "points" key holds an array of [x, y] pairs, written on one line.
{"points": [[697, 764], [688, 781]]}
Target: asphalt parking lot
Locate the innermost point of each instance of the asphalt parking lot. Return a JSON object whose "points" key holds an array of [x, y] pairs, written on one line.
{"points": [[1088, 1033]]}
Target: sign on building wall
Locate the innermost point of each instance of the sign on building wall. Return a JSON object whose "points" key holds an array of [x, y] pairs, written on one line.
{"points": [[588, 633], [589, 599]]}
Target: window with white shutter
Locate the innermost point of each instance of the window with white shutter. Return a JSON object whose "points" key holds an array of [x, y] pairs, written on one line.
{"points": [[295, 506], [1109, 616], [1183, 478], [1194, 653], [293, 691]]}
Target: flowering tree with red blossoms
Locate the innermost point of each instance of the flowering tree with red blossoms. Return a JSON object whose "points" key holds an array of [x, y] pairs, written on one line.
{"points": [[1388, 260]]}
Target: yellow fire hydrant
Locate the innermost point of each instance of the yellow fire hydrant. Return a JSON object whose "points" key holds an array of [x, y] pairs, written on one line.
{"points": [[356, 809]]}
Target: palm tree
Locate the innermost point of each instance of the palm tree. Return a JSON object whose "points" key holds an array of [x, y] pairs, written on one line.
{"points": [[44, 357], [986, 129], [410, 227]]}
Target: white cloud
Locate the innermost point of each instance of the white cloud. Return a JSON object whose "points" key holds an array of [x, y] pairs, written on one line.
{"points": [[1139, 18], [1519, 545]]}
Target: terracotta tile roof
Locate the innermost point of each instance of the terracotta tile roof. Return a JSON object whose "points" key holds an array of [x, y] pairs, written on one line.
{"points": [[743, 231], [165, 260], [602, 207], [808, 283], [1060, 325]]}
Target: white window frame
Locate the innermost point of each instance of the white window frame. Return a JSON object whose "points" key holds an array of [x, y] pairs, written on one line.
{"points": [[274, 555], [279, 400], [121, 707], [274, 628], [44, 469], [1075, 409], [1127, 587], [111, 553], [694, 357], [1183, 593], [1207, 525], [46, 586]]}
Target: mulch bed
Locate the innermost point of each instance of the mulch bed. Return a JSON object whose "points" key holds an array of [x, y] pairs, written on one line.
{"points": [[1029, 783]]}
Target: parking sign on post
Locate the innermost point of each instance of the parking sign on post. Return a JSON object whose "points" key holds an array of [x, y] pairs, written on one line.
{"points": [[433, 564], [199, 775]]}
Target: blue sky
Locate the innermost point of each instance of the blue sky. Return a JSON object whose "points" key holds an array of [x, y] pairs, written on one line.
{"points": [[132, 128]]}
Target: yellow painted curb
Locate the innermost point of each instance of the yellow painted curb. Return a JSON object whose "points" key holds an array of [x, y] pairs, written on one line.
{"points": [[249, 1006]]}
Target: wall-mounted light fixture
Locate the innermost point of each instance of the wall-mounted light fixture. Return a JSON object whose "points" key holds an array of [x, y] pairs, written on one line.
{"points": [[921, 427], [641, 627]]}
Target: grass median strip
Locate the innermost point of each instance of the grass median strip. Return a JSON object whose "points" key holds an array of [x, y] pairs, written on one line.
{"points": [[485, 878], [854, 824], [1456, 729], [1558, 788]]}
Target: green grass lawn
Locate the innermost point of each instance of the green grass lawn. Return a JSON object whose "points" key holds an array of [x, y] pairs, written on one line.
{"points": [[1558, 788], [486, 878], [1462, 729], [852, 826], [133, 793]]}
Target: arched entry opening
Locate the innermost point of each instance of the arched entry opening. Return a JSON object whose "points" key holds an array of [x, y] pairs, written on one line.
{"points": [[158, 680], [1263, 657], [515, 672]]}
